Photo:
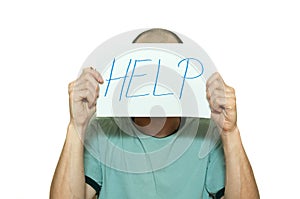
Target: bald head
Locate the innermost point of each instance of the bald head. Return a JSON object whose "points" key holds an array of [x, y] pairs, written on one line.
{"points": [[157, 35]]}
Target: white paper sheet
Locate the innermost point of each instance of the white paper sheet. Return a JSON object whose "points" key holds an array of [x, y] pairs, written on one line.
{"points": [[151, 79]]}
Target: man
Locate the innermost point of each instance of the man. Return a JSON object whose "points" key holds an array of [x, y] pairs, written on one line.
{"points": [[81, 174]]}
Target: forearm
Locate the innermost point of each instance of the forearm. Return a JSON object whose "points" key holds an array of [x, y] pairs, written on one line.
{"points": [[68, 180], [240, 181]]}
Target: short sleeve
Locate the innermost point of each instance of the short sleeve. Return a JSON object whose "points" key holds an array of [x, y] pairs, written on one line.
{"points": [[92, 166], [215, 176]]}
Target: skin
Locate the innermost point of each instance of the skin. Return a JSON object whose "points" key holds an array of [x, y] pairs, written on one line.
{"points": [[68, 180]]}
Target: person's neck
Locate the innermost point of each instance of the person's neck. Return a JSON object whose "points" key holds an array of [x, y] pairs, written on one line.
{"points": [[157, 126]]}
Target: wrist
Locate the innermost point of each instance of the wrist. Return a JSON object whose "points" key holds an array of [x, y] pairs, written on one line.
{"points": [[74, 137], [78, 129], [231, 140]]}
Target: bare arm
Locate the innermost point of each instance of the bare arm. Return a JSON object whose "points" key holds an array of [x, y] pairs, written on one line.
{"points": [[69, 180], [240, 181]]}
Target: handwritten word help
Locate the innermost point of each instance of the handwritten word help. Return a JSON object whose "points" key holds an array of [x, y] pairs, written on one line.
{"points": [[131, 75]]}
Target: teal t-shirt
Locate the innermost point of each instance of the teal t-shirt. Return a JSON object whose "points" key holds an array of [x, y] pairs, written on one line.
{"points": [[128, 164]]}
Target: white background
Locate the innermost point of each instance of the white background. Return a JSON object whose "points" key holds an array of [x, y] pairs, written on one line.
{"points": [[254, 44]]}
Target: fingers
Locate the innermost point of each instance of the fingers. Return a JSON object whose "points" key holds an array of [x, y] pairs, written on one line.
{"points": [[86, 87], [83, 83], [219, 95], [219, 104], [86, 92], [91, 72], [86, 96], [215, 82], [216, 77], [222, 102]]}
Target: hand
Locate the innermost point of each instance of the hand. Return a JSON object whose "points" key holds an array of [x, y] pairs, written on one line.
{"points": [[83, 94], [222, 102]]}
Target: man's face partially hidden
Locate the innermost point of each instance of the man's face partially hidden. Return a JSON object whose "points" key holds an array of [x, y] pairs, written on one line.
{"points": [[157, 126]]}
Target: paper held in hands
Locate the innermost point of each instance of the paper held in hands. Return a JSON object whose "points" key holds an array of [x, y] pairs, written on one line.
{"points": [[151, 79]]}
